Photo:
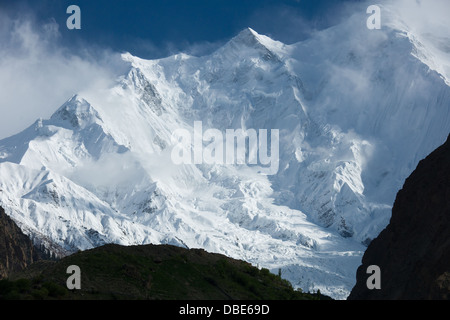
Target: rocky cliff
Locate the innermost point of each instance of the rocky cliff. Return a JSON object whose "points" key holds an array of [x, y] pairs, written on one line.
{"points": [[413, 252], [16, 249]]}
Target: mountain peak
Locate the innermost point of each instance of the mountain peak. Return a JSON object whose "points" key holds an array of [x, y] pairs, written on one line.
{"points": [[77, 112], [131, 59], [251, 38], [248, 38], [342, 152], [247, 35]]}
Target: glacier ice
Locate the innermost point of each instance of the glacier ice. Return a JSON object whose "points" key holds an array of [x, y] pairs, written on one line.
{"points": [[355, 114]]}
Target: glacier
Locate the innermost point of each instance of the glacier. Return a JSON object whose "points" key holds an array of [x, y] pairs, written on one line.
{"points": [[356, 110]]}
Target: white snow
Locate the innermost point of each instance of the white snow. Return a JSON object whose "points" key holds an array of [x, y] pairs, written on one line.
{"points": [[355, 113]]}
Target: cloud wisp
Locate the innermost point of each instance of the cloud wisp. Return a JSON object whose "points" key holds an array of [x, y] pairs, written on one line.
{"points": [[38, 74]]}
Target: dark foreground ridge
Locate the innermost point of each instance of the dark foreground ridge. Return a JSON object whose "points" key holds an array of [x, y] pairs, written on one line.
{"points": [[161, 272], [413, 252]]}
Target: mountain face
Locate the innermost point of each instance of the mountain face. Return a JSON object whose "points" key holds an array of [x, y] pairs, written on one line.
{"points": [[413, 252], [16, 249], [353, 115]]}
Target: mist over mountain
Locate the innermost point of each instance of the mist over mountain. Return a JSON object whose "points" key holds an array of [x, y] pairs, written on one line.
{"points": [[356, 110]]}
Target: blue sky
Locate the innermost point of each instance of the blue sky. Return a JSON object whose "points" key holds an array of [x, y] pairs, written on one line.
{"points": [[42, 63], [160, 27]]}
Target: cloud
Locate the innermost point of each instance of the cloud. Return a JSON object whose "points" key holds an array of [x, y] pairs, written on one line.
{"points": [[281, 22], [428, 23], [198, 49], [111, 169], [38, 74], [147, 49], [423, 16], [291, 22]]}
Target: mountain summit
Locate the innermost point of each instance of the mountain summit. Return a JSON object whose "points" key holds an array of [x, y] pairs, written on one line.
{"points": [[355, 114]]}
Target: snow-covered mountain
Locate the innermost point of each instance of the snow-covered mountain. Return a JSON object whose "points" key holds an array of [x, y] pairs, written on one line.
{"points": [[356, 110]]}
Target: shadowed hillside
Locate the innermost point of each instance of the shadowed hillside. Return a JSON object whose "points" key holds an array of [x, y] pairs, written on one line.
{"points": [[413, 252], [150, 272], [16, 249]]}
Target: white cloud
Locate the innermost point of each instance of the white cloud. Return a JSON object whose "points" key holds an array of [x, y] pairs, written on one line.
{"points": [[37, 75], [423, 16], [428, 23]]}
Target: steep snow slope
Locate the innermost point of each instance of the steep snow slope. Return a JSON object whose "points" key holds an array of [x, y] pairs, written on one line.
{"points": [[354, 114]]}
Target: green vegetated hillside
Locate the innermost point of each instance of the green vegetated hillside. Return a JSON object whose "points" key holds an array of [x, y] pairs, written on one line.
{"points": [[149, 272]]}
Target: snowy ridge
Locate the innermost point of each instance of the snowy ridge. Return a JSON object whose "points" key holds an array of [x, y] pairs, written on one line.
{"points": [[355, 117]]}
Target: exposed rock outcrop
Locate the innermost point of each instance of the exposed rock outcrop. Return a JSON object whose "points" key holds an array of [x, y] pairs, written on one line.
{"points": [[16, 249], [413, 252]]}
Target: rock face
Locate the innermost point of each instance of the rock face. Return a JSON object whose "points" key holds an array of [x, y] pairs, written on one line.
{"points": [[16, 249], [413, 252]]}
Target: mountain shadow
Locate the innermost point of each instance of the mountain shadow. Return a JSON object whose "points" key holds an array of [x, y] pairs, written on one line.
{"points": [[16, 249], [413, 252], [161, 272]]}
